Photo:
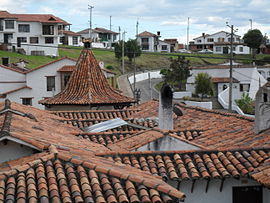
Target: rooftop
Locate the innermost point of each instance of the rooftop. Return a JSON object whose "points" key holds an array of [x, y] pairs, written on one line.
{"points": [[88, 86]]}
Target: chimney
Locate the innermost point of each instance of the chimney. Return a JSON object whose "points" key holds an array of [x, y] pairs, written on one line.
{"points": [[262, 109], [5, 61], [158, 33], [165, 114]]}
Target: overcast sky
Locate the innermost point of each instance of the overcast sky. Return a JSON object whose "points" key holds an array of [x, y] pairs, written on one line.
{"points": [[167, 16]]}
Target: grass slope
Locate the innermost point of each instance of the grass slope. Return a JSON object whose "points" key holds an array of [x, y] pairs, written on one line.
{"points": [[146, 61]]}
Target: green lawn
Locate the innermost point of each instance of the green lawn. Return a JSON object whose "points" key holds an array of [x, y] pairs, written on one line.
{"points": [[147, 61]]}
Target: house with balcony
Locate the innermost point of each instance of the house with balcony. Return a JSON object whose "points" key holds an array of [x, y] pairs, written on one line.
{"points": [[31, 34], [100, 37], [150, 42], [219, 43]]}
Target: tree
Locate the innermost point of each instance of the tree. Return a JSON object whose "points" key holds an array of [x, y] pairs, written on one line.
{"points": [[132, 49], [177, 73], [118, 49], [253, 39], [203, 85]]}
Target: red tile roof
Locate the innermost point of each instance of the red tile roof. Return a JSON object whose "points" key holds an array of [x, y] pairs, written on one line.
{"points": [[5, 14], [97, 30], [88, 86], [181, 165], [69, 33], [67, 169], [223, 80], [42, 18], [13, 69], [219, 129], [70, 68], [146, 34]]}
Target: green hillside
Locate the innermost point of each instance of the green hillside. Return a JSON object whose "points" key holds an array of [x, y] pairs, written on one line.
{"points": [[146, 61]]}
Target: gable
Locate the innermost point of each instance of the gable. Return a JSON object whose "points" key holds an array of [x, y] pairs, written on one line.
{"points": [[167, 143], [12, 148]]}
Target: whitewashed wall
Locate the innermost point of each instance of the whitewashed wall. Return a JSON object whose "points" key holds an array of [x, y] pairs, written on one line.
{"points": [[10, 80], [213, 194], [38, 82]]}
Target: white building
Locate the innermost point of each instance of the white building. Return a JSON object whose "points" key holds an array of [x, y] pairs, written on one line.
{"points": [[70, 38], [32, 34], [219, 43], [42, 82], [101, 37], [150, 42]]}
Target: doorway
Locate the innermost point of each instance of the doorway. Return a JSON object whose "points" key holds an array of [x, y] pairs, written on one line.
{"points": [[7, 37], [249, 194]]}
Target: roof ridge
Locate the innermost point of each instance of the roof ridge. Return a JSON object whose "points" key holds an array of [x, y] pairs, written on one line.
{"points": [[200, 151]]}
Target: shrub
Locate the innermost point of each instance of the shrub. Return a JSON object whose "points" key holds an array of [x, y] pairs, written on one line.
{"points": [[246, 104]]}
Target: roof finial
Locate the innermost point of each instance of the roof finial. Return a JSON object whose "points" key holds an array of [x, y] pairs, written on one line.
{"points": [[7, 104]]}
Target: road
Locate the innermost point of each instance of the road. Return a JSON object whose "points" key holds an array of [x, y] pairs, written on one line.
{"points": [[144, 86]]}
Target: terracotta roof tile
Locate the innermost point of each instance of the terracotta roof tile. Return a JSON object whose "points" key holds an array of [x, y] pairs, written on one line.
{"points": [[88, 85], [179, 165], [223, 80], [146, 34]]}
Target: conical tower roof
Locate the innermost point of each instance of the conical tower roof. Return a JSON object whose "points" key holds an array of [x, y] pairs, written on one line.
{"points": [[88, 86]]}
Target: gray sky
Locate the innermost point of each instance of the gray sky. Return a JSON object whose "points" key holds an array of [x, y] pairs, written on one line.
{"points": [[167, 16]]}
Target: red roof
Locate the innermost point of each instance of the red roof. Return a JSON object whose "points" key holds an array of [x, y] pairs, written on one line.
{"points": [[146, 34], [70, 33], [88, 86], [42, 18], [5, 14], [223, 80]]}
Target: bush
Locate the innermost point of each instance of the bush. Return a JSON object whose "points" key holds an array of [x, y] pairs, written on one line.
{"points": [[204, 85], [246, 104]]}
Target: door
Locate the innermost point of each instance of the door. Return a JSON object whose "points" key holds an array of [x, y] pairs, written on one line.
{"points": [[249, 194], [225, 50], [7, 37]]}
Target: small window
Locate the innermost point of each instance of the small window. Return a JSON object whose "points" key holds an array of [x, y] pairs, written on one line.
{"points": [[27, 101], [22, 39], [50, 83], [66, 79], [33, 40], [145, 47], [244, 87], [265, 97], [241, 49], [224, 87], [248, 194], [164, 48], [210, 39], [218, 49], [145, 40], [48, 29], [24, 28], [9, 24], [75, 40], [48, 40]]}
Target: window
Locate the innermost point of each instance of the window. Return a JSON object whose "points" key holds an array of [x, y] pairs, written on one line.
{"points": [[221, 39], [62, 40], [75, 40], [224, 87], [1, 25], [22, 39], [164, 48], [244, 87], [145, 40], [24, 28], [33, 40], [233, 48], [66, 79], [50, 83], [48, 29], [145, 47], [241, 49], [199, 40], [218, 49], [210, 39], [48, 40], [27, 101], [229, 39], [265, 97], [9, 24], [248, 194]]}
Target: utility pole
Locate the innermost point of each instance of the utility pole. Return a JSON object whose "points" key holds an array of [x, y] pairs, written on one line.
{"points": [[231, 65], [90, 21], [111, 34], [123, 51], [137, 27], [119, 30], [188, 34], [250, 23]]}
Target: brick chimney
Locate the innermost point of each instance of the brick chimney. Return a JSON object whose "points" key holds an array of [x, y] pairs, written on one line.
{"points": [[165, 114], [262, 108]]}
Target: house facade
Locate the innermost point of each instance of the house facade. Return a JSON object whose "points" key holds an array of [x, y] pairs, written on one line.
{"points": [[101, 37], [31, 34], [219, 43], [150, 42], [28, 87], [70, 38]]}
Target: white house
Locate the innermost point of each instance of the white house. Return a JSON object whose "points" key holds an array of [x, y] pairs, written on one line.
{"points": [[219, 43], [70, 38], [32, 34], [42, 82], [101, 37], [150, 42]]}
